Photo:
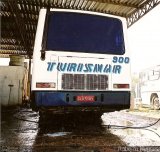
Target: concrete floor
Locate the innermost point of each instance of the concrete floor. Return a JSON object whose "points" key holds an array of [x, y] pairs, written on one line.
{"points": [[21, 131]]}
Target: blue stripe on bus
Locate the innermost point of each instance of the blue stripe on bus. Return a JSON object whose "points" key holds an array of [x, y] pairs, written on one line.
{"points": [[67, 98]]}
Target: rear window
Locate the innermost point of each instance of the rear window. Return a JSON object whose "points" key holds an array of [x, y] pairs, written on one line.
{"points": [[78, 32]]}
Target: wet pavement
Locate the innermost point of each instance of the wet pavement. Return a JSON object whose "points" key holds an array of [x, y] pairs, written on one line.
{"points": [[138, 132], [21, 131]]}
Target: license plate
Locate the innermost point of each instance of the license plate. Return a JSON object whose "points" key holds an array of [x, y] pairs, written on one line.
{"points": [[85, 98]]}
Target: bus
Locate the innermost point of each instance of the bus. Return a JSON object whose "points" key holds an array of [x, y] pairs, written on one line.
{"points": [[81, 62], [149, 82]]}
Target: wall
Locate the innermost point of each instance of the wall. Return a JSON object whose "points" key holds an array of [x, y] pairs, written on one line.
{"points": [[12, 86]]}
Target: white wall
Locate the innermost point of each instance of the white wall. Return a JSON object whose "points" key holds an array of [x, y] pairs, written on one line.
{"points": [[14, 76]]}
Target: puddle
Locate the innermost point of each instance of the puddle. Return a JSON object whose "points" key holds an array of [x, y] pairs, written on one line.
{"points": [[132, 137], [138, 137], [57, 134], [115, 120], [27, 115]]}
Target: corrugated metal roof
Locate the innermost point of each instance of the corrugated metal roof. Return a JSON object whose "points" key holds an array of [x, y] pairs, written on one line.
{"points": [[19, 18]]}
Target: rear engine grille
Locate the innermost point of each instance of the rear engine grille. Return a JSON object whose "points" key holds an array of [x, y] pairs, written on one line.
{"points": [[79, 81], [91, 83], [102, 82], [84, 82], [67, 81]]}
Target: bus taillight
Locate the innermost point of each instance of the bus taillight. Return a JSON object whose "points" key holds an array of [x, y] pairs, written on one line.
{"points": [[45, 85], [121, 86]]}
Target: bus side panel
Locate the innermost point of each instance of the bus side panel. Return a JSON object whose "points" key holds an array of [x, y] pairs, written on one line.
{"points": [[149, 84], [146, 97]]}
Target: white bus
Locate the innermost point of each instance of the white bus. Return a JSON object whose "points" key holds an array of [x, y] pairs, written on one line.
{"points": [[150, 86], [81, 61]]}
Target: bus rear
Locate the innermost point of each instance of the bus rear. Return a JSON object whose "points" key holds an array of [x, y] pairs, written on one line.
{"points": [[80, 62]]}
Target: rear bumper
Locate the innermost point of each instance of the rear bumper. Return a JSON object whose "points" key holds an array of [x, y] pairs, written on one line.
{"points": [[104, 101]]}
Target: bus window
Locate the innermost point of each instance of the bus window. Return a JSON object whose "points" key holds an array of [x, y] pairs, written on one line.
{"points": [[88, 33]]}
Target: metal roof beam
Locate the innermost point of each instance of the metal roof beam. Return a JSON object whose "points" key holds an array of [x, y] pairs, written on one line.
{"points": [[9, 51], [19, 23], [138, 14], [11, 47], [75, 3], [120, 3]]}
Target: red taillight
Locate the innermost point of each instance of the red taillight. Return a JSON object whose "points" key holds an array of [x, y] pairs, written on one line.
{"points": [[45, 85], [121, 86]]}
